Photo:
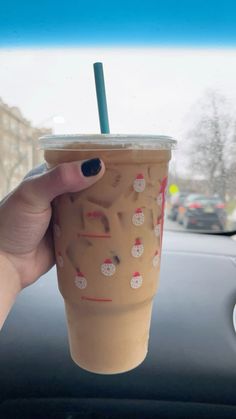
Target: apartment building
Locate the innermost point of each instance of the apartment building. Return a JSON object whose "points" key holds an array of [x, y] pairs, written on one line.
{"points": [[18, 147]]}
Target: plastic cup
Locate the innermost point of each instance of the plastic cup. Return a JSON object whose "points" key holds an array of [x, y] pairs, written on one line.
{"points": [[108, 246]]}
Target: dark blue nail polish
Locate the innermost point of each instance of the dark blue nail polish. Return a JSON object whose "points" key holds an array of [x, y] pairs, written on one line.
{"points": [[91, 167]]}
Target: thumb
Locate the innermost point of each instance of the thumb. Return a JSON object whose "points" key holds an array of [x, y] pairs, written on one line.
{"points": [[38, 192]]}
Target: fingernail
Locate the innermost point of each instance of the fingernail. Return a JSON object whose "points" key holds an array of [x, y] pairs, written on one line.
{"points": [[91, 167]]}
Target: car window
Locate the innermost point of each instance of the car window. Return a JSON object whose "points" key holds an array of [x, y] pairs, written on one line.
{"points": [[161, 79]]}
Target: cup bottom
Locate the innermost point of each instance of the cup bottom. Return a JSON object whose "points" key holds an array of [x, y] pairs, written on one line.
{"points": [[108, 343]]}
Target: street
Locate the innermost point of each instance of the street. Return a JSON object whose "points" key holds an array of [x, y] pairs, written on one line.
{"points": [[172, 225]]}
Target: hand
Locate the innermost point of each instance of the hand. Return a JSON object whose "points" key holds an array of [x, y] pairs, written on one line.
{"points": [[25, 231]]}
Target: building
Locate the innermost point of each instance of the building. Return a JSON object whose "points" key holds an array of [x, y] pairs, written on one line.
{"points": [[18, 147]]}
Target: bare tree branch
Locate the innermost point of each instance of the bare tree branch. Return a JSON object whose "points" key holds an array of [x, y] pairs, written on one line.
{"points": [[210, 143]]}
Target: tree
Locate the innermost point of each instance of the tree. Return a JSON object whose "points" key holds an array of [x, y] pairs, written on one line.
{"points": [[211, 143]]}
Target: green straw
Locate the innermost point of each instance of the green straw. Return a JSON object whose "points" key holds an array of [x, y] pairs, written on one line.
{"points": [[101, 98]]}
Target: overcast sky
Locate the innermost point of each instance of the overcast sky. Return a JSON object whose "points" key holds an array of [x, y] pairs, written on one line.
{"points": [[149, 90]]}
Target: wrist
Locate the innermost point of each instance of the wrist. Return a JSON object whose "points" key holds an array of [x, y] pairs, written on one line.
{"points": [[9, 286]]}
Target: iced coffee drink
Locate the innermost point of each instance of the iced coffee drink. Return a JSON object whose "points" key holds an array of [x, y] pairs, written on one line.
{"points": [[108, 246]]}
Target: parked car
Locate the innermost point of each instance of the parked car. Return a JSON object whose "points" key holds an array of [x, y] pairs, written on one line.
{"points": [[182, 207], [175, 202], [203, 212]]}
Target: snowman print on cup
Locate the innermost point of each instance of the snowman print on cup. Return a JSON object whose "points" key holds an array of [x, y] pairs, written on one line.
{"points": [[80, 280], [138, 217], [137, 249], [139, 183], [108, 268], [60, 260], [157, 228], [136, 280], [155, 259], [162, 193]]}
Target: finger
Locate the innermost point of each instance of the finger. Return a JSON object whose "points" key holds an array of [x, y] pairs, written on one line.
{"points": [[39, 191]]}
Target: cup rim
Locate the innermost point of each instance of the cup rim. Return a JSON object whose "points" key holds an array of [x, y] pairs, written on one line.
{"points": [[113, 141]]}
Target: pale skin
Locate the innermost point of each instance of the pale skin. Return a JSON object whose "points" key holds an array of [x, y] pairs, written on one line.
{"points": [[26, 247]]}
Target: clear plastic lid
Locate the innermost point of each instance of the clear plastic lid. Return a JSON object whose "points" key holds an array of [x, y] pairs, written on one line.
{"points": [[107, 141]]}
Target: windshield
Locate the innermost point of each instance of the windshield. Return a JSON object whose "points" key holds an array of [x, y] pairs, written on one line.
{"points": [[177, 88]]}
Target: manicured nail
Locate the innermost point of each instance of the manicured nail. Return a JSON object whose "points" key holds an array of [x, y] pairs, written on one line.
{"points": [[91, 167]]}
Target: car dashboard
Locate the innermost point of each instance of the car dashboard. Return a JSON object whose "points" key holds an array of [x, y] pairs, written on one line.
{"points": [[190, 370]]}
